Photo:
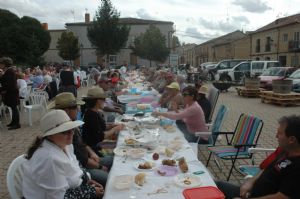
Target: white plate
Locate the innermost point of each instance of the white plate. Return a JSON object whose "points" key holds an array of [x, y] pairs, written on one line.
{"points": [[121, 150], [123, 181], [136, 165], [194, 180]]}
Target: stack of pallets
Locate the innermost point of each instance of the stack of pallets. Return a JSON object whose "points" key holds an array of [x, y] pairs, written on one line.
{"points": [[248, 92], [289, 99]]}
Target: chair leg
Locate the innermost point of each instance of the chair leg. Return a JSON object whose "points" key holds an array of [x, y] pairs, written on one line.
{"points": [[208, 158], [217, 163], [233, 162], [29, 117]]}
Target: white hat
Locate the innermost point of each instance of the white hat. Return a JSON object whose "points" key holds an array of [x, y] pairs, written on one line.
{"points": [[57, 121]]}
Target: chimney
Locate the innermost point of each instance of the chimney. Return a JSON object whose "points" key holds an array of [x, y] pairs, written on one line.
{"points": [[87, 18], [45, 26]]}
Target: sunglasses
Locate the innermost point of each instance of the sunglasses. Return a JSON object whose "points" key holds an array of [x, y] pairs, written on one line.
{"points": [[67, 132], [185, 94]]}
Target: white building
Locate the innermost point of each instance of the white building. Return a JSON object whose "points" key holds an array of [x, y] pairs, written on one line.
{"points": [[125, 56]]}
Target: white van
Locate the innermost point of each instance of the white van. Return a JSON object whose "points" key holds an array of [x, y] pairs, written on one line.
{"points": [[247, 68]]}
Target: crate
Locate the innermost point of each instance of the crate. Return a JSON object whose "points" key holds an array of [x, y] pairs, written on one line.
{"points": [[248, 92], [289, 99]]}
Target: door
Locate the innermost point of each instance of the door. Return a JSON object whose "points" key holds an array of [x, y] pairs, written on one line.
{"points": [[241, 70], [282, 60], [133, 59]]}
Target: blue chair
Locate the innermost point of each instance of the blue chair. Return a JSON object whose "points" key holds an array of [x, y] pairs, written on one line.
{"points": [[245, 135]]}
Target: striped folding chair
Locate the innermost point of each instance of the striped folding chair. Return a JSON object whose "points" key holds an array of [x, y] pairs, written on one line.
{"points": [[245, 135]]}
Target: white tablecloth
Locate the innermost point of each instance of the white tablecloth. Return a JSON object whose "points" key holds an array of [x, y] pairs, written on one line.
{"points": [[154, 181]]}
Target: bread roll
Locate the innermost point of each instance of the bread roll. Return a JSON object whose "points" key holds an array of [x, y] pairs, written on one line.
{"points": [[140, 179], [183, 165]]}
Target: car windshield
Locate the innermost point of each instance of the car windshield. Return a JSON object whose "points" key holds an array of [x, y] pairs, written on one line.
{"points": [[274, 72], [295, 75]]}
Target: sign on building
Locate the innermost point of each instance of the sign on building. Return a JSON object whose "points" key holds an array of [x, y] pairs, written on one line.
{"points": [[173, 59]]}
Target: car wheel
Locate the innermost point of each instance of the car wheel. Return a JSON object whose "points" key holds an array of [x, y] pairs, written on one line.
{"points": [[210, 77], [225, 78]]}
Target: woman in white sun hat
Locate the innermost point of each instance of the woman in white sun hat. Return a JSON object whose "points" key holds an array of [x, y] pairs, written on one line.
{"points": [[52, 170]]}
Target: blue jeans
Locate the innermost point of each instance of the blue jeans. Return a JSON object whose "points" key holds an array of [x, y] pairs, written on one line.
{"points": [[98, 174]]}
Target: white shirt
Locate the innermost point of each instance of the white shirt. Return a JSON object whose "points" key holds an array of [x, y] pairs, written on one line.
{"points": [[22, 85], [123, 70], [50, 172], [47, 79]]}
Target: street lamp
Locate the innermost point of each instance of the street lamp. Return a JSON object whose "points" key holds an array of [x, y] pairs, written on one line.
{"points": [[81, 54]]}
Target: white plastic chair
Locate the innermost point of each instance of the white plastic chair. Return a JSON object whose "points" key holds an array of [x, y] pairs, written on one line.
{"points": [[14, 177], [3, 109], [23, 101], [84, 78], [38, 100]]}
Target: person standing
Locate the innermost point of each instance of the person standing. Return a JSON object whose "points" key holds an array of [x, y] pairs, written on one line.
{"points": [[10, 91]]}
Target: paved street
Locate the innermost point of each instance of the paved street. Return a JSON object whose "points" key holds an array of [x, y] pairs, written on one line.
{"points": [[14, 143]]}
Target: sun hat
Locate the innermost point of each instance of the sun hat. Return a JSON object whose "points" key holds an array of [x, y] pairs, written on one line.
{"points": [[95, 93], [174, 85], [203, 90], [64, 100], [57, 121]]}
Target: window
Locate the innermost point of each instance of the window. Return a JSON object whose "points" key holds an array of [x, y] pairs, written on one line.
{"points": [[285, 37], [257, 65], [295, 61], [267, 58], [257, 48], [243, 67], [268, 44], [112, 60], [272, 64], [296, 36]]}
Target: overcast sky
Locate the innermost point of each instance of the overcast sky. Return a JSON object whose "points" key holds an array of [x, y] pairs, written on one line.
{"points": [[194, 20]]}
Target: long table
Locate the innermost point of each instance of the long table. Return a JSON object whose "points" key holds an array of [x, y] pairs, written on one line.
{"points": [[154, 181]]}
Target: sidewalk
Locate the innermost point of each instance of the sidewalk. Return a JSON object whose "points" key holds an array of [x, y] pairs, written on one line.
{"points": [[15, 143]]}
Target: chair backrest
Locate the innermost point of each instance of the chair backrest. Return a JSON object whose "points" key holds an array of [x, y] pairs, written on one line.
{"points": [[14, 177], [212, 97], [39, 98], [218, 122], [247, 130], [83, 75]]}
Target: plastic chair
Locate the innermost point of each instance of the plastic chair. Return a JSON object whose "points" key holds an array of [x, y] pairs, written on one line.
{"points": [[14, 177], [38, 100], [215, 129], [245, 135], [84, 78], [212, 97]]}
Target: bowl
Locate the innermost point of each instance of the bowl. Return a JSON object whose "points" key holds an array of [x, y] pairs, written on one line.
{"points": [[123, 181], [136, 153]]}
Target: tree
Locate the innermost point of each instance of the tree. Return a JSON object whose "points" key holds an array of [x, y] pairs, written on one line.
{"points": [[68, 46], [24, 40], [151, 45], [105, 32]]}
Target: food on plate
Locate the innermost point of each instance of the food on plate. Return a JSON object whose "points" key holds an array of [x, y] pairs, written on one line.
{"points": [[169, 152], [139, 179], [169, 128], [130, 141], [187, 181], [155, 156], [137, 152], [142, 106], [162, 173], [145, 165], [137, 128], [183, 165], [169, 162], [126, 120]]}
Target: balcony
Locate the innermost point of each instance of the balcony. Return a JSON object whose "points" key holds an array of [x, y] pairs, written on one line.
{"points": [[294, 46]]}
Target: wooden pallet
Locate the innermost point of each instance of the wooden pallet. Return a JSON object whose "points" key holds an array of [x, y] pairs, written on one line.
{"points": [[290, 99], [248, 92]]}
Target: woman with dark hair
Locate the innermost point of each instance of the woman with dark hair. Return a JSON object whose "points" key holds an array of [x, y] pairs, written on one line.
{"points": [[192, 114], [52, 170], [10, 91], [68, 81], [95, 129]]}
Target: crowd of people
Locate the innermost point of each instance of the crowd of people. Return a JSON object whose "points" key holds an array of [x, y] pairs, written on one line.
{"points": [[69, 150]]}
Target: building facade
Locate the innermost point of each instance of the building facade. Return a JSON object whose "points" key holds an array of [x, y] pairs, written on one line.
{"points": [[125, 56]]}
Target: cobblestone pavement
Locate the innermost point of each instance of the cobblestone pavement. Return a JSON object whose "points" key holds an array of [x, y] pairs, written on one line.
{"points": [[15, 143]]}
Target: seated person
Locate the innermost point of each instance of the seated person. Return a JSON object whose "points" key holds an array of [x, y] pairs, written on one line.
{"points": [[97, 166], [95, 130], [52, 170], [192, 115], [279, 179], [171, 96], [203, 102]]}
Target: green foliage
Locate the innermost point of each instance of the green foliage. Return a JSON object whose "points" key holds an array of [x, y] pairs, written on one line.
{"points": [[24, 40], [105, 32], [151, 45], [68, 46]]}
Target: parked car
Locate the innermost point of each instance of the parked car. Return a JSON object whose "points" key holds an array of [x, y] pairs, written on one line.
{"points": [[274, 73], [295, 76], [224, 64], [245, 69]]}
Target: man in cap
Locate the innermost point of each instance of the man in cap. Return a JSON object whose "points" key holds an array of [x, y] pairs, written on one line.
{"points": [[172, 98], [96, 166], [9, 91], [203, 101]]}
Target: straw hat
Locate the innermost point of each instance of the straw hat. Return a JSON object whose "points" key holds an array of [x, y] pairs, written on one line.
{"points": [[57, 121], [64, 100], [174, 85], [95, 93], [203, 90]]}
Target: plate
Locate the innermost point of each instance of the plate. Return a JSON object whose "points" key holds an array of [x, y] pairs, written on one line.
{"points": [[123, 181], [187, 180], [165, 170], [136, 165], [121, 150]]}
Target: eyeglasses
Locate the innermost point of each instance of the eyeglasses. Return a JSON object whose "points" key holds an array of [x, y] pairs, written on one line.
{"points": [[185, 94], [67, 132]]}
